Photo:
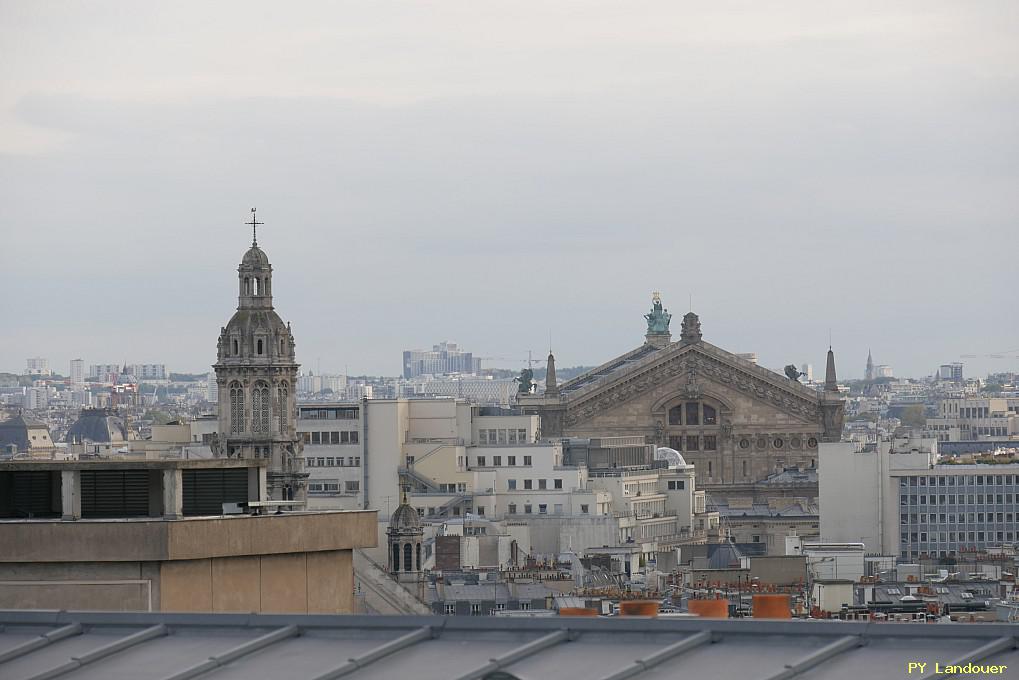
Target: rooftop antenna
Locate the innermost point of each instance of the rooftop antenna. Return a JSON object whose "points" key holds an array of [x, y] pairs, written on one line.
{"points": [[691, 302], [254, 225]]}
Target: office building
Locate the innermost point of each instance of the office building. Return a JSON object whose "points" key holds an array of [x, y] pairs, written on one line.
{"points": [[148, 371], [899, 498], [951, 372], [37, 366], [105, 372], [444, 358]]}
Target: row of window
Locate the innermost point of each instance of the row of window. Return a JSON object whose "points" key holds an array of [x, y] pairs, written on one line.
{"points": [[778, 443], [261, 406], [693, 442], [677, 484], [330, 461], [959, 480], [409, 551], [953, 518], [693, 413], [450, 608], [338, 413], [952, 536], [330, 486], [502, 436], [260, 347], [964, 499], [511, 461], [989, 431], [511, 484], [343, 437], [557, 509]]}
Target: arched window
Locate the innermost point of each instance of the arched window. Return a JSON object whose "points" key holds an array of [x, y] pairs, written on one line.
{"points": [[408, 557], [237, 349], [255, 282], [260, 408], [236, 407], [396, 557], [265, 286], [259, 346], [418, 549], [281, 346], [247, 286], [283, 403]]}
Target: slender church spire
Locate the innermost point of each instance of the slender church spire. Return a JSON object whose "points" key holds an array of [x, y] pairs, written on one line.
{"points": [[869, 375], [551, 386], [831, 382]]}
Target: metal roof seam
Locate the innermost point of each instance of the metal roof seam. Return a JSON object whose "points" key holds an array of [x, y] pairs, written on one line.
{"points": [[356, 663], [102, 652], [827, 652], [514, 655], [237, 652], [43, 640], [675, 649]]}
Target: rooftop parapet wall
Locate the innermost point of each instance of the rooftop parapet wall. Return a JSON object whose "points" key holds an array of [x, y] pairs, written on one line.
{"points": [[144, 540]]}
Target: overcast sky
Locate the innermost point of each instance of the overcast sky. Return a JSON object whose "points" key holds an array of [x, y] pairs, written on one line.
{"points": [[490, 172]]}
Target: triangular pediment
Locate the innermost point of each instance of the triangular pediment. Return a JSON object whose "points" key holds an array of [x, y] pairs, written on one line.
{"points": [[690, 366]]}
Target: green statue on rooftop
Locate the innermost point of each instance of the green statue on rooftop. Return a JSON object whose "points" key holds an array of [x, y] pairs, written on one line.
{"points": [[659, 318], [526, 381]]}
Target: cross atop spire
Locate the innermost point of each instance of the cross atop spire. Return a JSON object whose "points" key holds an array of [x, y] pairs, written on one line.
{"points": [[254, 225]]}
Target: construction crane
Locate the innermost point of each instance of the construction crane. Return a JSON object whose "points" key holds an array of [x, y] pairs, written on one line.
{"points": [[530, 360]]}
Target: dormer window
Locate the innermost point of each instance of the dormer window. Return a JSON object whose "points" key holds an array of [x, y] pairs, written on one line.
{"points": [[259, 344]]}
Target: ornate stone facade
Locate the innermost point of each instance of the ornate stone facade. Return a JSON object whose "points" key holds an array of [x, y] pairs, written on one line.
{"points": [[256, 371], [736, 422]]}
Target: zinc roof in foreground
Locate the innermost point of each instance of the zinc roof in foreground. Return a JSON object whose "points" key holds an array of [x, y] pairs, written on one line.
{"points": [[164, 646]]}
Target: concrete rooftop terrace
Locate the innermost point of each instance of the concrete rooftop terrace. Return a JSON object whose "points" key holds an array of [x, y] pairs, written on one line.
{"points": [[123, 646]]}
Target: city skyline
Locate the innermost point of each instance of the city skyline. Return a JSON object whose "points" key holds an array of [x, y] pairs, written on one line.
{"points": [[842, 168], [995, 361]]}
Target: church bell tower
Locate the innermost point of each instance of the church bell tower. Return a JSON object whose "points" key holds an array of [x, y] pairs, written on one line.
{"points": [[256, 372]]}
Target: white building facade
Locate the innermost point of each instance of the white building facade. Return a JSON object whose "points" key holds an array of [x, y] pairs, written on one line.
{"points": [[898, 499]]}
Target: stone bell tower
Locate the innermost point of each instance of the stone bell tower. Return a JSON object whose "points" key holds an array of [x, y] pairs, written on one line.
{"points": [[256, 372], [404, 537]]}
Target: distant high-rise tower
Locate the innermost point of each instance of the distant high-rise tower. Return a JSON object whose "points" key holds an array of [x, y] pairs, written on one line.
{"points": [[869, 374], [77, 372], [808, 372], [37, 366], [256, 373]]}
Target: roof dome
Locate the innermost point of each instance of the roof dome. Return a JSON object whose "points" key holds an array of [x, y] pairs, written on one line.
{"points": [[674, 457], [255, 257], [405, 517], [97, 425]]}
